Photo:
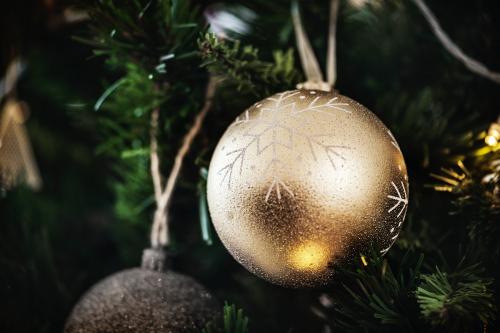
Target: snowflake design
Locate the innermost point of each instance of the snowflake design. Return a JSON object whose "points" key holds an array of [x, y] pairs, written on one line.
{"points": [[393, 140], [400, 199], [268, 123], [400, 202]]}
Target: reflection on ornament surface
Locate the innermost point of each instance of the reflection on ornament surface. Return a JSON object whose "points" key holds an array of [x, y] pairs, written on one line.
{"points": [[306, 178], [310, 256]]}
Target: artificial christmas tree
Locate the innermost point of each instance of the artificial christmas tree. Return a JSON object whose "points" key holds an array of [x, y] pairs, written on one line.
{"points": [[124, 126]]}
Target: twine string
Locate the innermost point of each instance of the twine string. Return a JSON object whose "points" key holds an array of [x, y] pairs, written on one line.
{"points": [[472, 64], [308, 59], [163, 194]]}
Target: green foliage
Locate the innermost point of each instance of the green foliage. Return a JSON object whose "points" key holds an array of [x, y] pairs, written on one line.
{"points": [[241, 66], [456, 299], [159, 56], [377, 298], [234, 321], [124, 114], [133, 202], [152, 46], [205, 222], [149, 32]]}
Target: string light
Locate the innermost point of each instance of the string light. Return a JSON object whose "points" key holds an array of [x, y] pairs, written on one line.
{"points": [[364, 261], [493, 135], [450, 178]]}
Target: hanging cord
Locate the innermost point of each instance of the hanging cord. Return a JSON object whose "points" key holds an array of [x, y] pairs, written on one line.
{"points": [[159, 231], [312, 69], [331, 59], [472, 64], [306, 53], [308, 59]]}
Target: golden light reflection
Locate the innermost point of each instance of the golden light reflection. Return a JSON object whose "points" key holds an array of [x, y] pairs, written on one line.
{"points": [[491, 140], [493, 135], [310, 256], [364, 261]]}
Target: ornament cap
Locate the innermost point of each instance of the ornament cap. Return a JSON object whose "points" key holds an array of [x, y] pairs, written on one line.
{"points": [[155, 259], [315, 85]]}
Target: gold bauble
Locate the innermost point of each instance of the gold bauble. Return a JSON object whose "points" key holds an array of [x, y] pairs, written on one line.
{"points": [[303, 182]]}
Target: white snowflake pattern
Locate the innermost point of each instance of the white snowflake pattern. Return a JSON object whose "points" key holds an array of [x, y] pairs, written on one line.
{"points": [[269, 121], [400, 199], [401, 202], [393, 140]]}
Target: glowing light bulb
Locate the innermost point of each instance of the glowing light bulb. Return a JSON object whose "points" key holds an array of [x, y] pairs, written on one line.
{"points": [[491, 140], [309, 256], [364, 261], [493, 135]]}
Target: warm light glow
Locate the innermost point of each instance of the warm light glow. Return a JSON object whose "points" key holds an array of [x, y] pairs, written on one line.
{"points": [[493, 135], [491, 140], [443, 188], [364, 261], [309, 256]]}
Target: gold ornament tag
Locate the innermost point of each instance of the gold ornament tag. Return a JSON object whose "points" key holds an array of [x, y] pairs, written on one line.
{"points": [[17, 162]]}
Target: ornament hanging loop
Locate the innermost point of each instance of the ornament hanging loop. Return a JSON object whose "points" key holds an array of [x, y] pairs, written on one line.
{"points": [[308, 59], [160, 236]]}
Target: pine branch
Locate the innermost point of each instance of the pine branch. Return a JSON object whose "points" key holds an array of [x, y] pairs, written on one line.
{"points": [[234, 321], [376, 298], [475, 195], [456, 299], [241, 66], [149, 32], [152, 45]]}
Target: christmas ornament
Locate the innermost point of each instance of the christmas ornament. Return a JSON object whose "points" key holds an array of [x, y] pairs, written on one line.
{"points": [[306, 180], [16, 155], [17, 161], [146, 299], [151, 298], [303, 180]]}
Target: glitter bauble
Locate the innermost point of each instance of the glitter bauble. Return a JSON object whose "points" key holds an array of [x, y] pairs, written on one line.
{"points": [[303, 182], [143, 300]]}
